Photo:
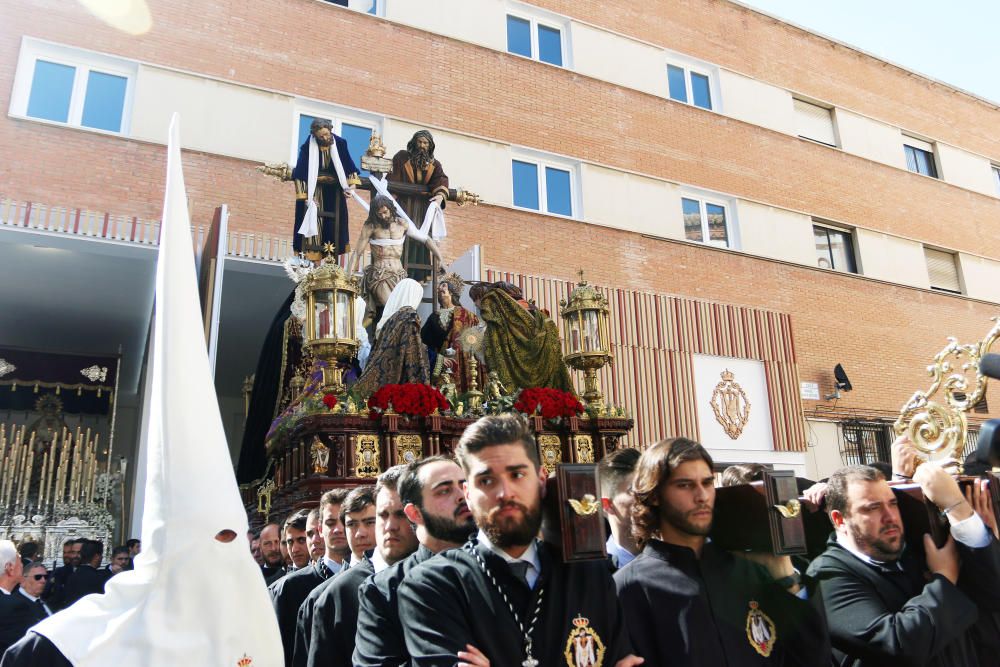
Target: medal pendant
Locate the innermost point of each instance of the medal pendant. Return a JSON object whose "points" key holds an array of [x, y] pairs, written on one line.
{"points": [[529, 662]]}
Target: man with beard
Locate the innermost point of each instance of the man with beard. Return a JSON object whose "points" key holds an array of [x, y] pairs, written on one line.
{"points": [[881, 606], [384, 232], [270, 551], [688, 602], [430, 490], [327, 184], [417, 165], [288, 593], [335, 620], [55, 589], [506, 597]]}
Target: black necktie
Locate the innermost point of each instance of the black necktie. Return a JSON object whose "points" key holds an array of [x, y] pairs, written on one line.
{"points": [[41, 607], [520, 571]]}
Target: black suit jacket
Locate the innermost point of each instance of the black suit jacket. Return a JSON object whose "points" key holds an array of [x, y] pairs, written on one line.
{"points": [[86, 580], [36, 610], [335, 618], [889, 616], [15, 618], [288, 593], [34, 650]]}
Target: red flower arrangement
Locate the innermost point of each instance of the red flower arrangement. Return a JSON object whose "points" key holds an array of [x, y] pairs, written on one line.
{"points": [[329, 400], [414, 399], [549, 403]]}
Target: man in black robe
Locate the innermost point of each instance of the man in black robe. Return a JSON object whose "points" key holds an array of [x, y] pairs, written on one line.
{"points": [[882, 606], [329, 193], [288, 593], [505, 596], [270, 551], [431, 493], [87, 579], [417, 165], [55, 588], [690, 603], [335, 618]]}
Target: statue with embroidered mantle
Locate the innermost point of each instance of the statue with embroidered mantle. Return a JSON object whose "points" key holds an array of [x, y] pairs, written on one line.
{"points": [[442, 334]]}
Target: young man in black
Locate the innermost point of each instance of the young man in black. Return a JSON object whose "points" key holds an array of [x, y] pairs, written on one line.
{"points": [[431, 493], [505, 597], [689, 603]]}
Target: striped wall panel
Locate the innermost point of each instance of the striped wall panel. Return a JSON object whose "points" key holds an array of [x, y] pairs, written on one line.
{"points": [[653, 339]]}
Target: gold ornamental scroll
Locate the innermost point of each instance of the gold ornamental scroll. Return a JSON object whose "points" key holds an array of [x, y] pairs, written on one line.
{"points": [[938, 428]]}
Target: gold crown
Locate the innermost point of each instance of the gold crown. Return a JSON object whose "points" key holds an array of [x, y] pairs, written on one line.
{"points": [[728, 376], [244, 661], [580, 621]]}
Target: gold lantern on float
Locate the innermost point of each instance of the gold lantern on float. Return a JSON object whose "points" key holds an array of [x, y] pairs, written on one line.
{"points": [[587, 339], [939, 430], [330, 324]]}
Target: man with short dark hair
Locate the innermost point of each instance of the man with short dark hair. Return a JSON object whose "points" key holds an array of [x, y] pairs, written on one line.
{"points": [[688, 602], [505, 597], [55, 589], [270, 551], [881, 607], [336, 558], [615, 473], [430, 490], [314, 535], [288, 592], [87, 579], [119, 561], [335, 618], [134, 547]]}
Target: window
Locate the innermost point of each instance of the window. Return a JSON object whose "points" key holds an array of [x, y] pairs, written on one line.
{"points": [[815, 123], [543, 187], [357, 132], [920, 156], [373, 7], [943, 271], [706, 222], [533, 39], [688, 86], [996, 178], [65, 85], [834, 249]]}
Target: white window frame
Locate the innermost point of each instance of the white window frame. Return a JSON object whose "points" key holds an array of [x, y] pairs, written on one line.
{"points": [[691, 66], [728, 205], [84, 62], [995, 172], [535, 18], [543, 160], [956, 262], [850, 235], [379, 7], [833, 121], [926, 145], [338, 116]]}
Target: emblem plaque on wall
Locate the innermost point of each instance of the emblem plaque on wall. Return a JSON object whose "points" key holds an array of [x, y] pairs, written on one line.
{"points": [[730, 405]]}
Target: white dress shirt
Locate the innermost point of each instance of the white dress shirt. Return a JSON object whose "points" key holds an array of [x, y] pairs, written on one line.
{"points": [[530, 556]]}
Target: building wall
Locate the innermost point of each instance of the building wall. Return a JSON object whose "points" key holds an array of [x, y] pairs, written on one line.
{"points": [[636, 153]]}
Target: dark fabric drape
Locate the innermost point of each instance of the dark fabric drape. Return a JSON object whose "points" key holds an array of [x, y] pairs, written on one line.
{"points": [[398, 356]]}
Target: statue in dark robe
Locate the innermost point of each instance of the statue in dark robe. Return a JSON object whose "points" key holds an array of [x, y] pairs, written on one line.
{"points": [[417, 165], [329, 192], [398, 355]]}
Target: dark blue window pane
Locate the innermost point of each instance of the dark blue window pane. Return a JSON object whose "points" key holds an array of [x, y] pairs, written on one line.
{"points": [[920, 161], [700, 93], [692, 220], [678, 86], [357, 139], [525, 184], [51, 88], [519, 36], [105, 100], [557, 191], [549, 45]]}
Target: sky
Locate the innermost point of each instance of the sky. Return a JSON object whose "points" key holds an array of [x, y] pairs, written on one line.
{"points": [[955, 42]]}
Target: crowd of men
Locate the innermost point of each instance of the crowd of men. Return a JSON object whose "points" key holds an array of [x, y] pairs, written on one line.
{"points": [[439, 563], [30, 591]]}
